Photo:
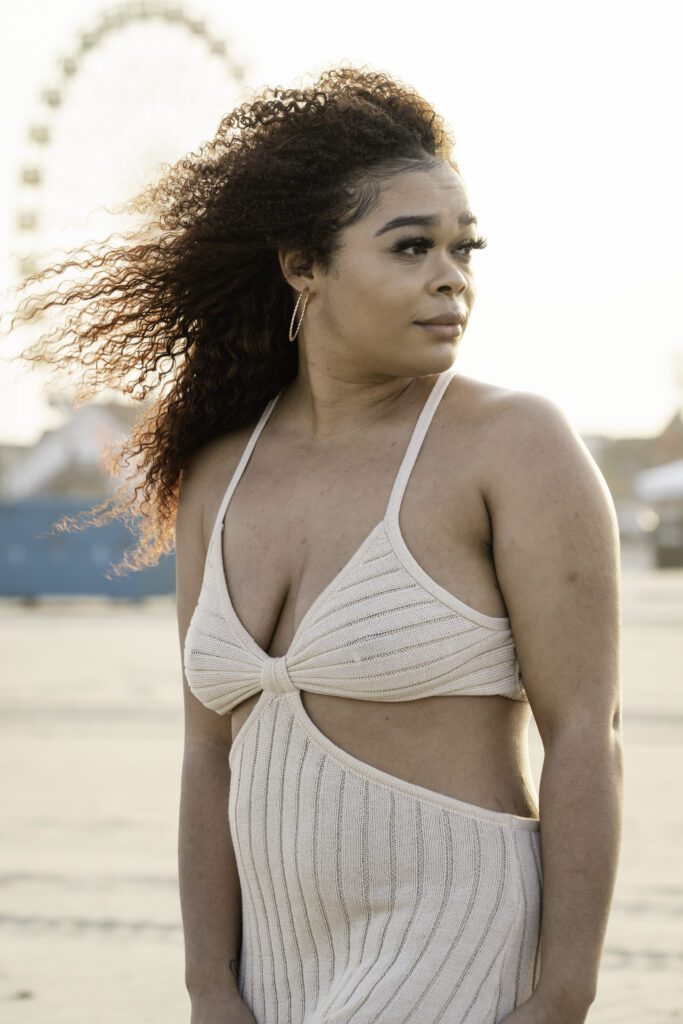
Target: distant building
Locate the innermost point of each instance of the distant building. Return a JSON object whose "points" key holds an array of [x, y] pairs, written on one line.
{"points": [[621, 459], [64, 473], [68, 461], [645, 478], [662, 489], [10, 454]]}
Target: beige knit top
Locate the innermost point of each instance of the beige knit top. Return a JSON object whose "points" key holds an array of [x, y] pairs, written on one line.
{"points": [[381, 630]]}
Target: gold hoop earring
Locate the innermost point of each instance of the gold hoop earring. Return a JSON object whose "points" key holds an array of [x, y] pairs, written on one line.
{"points": [[303, 295]]}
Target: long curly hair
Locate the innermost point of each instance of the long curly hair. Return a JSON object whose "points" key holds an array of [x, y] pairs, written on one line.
{"points": [[192, 309]]}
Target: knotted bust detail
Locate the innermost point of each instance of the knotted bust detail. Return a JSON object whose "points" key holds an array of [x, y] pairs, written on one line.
{"points": [[275, 677]]}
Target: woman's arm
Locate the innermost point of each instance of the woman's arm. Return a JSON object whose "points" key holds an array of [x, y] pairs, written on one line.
{"points": [[556, 552], [209, 884]]}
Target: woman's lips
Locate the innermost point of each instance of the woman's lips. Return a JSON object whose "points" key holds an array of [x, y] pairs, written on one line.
{"points": [[442, 330]]}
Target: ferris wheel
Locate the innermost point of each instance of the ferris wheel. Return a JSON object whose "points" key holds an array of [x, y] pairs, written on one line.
{"points": [[144, 84]]}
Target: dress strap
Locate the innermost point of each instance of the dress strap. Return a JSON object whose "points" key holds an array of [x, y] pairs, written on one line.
{"points": [[416, 439], [246, 455]]}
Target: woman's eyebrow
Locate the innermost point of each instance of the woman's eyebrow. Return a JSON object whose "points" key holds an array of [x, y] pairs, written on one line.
{"points": [[426, 220]]}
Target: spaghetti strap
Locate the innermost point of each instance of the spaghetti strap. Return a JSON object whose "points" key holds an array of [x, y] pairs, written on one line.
{"points": [[415, 443], [417, 437], [246, 455]]}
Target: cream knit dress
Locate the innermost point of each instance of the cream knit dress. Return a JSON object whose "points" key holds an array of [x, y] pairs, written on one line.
{"points": [[367, 899]]}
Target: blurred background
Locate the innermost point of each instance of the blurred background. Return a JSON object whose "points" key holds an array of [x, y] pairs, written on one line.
{"points": [[565, 119]]}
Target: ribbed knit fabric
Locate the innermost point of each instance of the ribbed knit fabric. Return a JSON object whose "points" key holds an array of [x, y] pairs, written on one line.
{"points": [[367, 899]]}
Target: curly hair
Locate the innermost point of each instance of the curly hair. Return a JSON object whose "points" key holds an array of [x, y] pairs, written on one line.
{"points": [[193, 307]]}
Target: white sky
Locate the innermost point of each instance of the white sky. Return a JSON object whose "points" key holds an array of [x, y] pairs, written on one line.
{"points": [[567, 127]]}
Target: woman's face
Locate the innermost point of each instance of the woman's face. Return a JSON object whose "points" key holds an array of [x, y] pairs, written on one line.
{"points": [[363, 315]]}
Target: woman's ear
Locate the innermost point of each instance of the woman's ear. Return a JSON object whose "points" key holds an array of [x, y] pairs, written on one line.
{"points": [[295, 269]]}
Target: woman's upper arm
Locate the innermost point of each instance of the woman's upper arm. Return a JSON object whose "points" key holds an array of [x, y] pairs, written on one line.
{"points": [[556, 553], [202, 725]]}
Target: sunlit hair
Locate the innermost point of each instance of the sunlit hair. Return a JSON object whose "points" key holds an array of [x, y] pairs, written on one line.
{"points": [[192, 309]]}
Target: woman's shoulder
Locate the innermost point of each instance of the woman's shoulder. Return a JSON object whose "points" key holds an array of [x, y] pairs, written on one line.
{"points": [[516, 441], [207, 474], [507, 416], [531, 454]]}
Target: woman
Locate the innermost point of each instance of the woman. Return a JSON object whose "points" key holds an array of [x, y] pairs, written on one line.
{"points": [[363, 534]]}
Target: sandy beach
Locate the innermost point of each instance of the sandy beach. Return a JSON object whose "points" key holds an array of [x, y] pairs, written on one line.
{"points": [[91, 728]]}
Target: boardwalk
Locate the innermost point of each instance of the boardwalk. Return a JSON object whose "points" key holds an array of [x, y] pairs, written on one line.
{"points": [[90, 756]]}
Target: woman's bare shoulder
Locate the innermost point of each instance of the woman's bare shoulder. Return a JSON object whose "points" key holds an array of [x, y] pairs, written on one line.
{"points": [[482, 396], [507, 416], [518, 442], [207, 474], [481, 414]]}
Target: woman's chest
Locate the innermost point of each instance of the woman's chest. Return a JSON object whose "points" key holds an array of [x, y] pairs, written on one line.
{"points": [[297, 523]]}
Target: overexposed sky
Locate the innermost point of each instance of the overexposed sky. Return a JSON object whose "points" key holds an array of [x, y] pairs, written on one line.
{"points": [[566, 119]]}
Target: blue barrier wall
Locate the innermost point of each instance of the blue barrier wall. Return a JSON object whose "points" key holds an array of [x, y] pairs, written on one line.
{"points": [[74, 562]]}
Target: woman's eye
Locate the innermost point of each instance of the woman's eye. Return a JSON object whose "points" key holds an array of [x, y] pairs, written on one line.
{"points": [[404, 244], [413, 245], [423, 244]]}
